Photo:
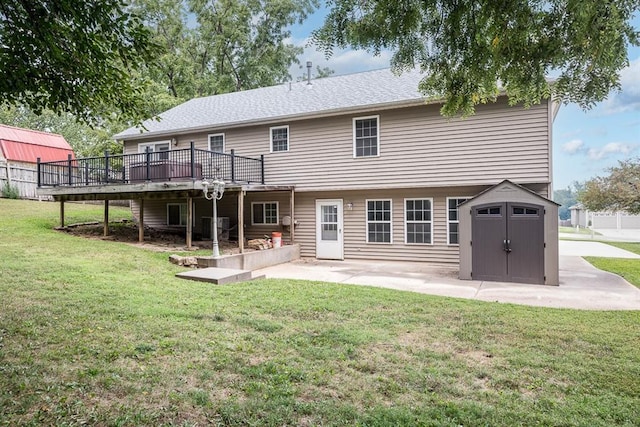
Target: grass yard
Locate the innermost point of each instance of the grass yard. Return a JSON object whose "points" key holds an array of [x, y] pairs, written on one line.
{"points": [[573, 230], [627, 268], [101, 333]]}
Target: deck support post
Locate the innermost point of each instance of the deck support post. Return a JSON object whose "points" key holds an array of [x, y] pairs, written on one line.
{"points": [[189, 221], [292, 226], [241, 220], [62, 213], [106, 218], [141, 222]]}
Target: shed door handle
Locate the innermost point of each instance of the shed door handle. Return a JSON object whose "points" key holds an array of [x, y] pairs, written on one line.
{"points": [[506, 245]]}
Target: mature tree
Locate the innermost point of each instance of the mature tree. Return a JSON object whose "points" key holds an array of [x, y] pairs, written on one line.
{"points": [[87, 141], [618, 191], [471, 48], [219, 46], [73, 56]]}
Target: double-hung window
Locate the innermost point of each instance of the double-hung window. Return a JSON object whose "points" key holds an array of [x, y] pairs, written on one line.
{"points": [[365, 136], [263, 213], [160, 147], [418, 221], [177, 214], [279, 138], [379, 221], [453, 219], [216, 142]]}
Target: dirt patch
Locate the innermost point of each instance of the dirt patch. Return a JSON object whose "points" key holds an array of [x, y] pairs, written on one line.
{"points": [[154, 239]]}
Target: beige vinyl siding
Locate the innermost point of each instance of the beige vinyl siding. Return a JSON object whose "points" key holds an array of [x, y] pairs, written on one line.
{"points": [[260, 230], [155, 212], [417, 148], [354, 231]]}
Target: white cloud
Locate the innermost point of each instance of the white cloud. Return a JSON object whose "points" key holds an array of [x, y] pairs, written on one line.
{"points": [[628, 99], [609, 149], [574, 146]]}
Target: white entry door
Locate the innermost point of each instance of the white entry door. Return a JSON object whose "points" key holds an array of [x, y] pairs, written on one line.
{"points": [[329, 243]]}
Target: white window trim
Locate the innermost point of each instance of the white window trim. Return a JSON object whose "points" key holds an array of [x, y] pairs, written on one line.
{"points": [[177, 204], [142, 146], [366, 216], [404, 207], [224, 141], [458, 222], [377, 117], [271, 129], [265, 223]]}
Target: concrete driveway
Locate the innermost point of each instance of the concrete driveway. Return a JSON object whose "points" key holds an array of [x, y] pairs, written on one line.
{"points": [[582, 286], [585, 248]]}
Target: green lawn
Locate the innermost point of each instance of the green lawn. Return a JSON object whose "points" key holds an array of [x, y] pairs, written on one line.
{"points": [[627, 268], [573, 230], [101, 333]]}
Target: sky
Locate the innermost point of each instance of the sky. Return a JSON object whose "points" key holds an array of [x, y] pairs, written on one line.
{"points": [[585, 143]]}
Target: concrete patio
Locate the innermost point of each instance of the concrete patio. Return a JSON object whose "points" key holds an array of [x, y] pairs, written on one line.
{"points": [[582, 286]]}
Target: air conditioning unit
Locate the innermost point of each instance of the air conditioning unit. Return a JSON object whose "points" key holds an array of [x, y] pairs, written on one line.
{"points": [[223, 227]]}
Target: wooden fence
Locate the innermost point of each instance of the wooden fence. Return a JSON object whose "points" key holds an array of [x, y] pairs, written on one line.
{"points": [[22, 176]]}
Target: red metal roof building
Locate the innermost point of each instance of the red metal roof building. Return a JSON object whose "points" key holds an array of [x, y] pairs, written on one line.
{"points": [[23, 145]]}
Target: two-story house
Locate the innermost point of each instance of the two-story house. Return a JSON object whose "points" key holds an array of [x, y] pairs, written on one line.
{"points": [[351, 167]]}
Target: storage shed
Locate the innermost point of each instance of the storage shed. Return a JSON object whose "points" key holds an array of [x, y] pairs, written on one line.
{"points": [[508, 233]]}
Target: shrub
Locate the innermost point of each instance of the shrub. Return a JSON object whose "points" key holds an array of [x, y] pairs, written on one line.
{"points": [[10, 191]]}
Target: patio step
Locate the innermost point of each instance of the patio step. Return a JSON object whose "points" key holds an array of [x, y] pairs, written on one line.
{"points": [[218, 276]]}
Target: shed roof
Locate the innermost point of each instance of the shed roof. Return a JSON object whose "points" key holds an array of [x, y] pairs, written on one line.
{"points": [[331, 95], [24, 145], [508, 183]]}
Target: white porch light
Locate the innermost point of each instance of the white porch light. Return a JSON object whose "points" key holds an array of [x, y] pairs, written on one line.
{"points": [[213, 190]]}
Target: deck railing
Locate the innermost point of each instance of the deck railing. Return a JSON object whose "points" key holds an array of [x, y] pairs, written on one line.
{"points": [[184, 164]]}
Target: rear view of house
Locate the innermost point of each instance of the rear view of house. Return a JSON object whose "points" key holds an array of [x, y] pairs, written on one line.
{"points": [[19, 152], [360, 166]]}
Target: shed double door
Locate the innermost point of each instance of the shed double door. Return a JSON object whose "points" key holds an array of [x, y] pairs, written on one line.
{"points": [[508, 242]]}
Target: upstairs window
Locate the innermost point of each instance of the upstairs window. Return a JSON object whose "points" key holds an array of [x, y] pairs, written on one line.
{"points": [[216, 142], [365, 136], [379, 221], [263, 213], [453, 218], [279, 138]]}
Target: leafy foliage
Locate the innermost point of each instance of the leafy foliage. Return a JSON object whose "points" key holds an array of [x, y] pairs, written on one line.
{"points": [[211, 47], [620, 191], [87, 70], [320, 73], [76, 57], [470, 49], [10, 191], [567, 198], [86, 141]]}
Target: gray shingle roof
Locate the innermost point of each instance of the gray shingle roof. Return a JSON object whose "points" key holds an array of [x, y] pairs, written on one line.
{"points": [[285, 101]]}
